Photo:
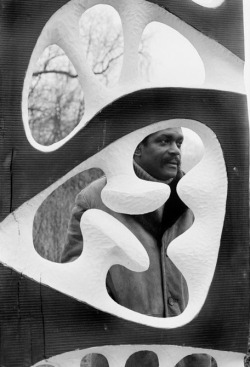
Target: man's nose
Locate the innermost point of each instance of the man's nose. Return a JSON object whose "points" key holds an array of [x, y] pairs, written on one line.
{"points": [[174, 149]]}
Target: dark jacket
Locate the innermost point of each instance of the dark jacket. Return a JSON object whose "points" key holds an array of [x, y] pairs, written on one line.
{"points": [[161, 290]]}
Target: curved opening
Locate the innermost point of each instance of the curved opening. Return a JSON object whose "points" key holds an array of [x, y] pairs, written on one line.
{"points": [[94, 359], [197, 360], [160, 291], [143, 358], [56, 101], [188, 146], [102, 38], [168, 59], [139, 290], [50, 226]]}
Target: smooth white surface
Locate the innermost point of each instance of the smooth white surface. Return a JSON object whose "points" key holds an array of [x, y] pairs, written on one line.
{"points": [[203, 189], [223, 69], [209, 3], [130, 195], [168, 355], [173, 59]]}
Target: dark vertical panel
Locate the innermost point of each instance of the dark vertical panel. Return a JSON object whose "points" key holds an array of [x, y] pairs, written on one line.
{"points": [[21, 23]]}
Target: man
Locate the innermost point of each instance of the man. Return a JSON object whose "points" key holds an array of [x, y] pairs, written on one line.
{"points": [[161, 291]]}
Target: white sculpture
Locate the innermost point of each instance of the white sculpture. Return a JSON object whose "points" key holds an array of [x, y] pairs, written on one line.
{"points": [[168, 356], [223, 69], [203, 189]]}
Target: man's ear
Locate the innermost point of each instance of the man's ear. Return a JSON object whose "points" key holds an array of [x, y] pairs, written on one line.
{"points": [[137, 152]]}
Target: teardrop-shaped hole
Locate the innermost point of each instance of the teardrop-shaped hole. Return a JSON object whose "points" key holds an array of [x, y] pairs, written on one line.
{"points": [[197, 360], [167, 58], [94, 359], [50, 226], [56, 101], [102, 38]]}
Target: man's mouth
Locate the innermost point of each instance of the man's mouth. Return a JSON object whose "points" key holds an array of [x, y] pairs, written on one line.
{"points": [[174, 163]]}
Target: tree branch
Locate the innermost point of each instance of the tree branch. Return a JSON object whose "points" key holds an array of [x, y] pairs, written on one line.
{"points": [[62, 72], [108, 64]]}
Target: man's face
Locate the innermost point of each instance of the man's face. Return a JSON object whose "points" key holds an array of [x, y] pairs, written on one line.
{"points": [[160, 155]]}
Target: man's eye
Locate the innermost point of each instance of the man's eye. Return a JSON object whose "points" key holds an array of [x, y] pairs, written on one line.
{"points": [[164, 141], [179, 144]]}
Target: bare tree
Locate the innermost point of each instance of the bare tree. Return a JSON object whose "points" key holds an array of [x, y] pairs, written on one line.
{"points": [[102, 37], [56, 99]]}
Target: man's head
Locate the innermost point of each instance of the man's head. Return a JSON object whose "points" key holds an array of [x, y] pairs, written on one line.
{"points": [[159, 154]]}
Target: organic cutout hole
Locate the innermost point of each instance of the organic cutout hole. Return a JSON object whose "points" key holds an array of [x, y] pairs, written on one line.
{"points": [[94, 359], [143, 358], [102, 39], [191, 151], [52, 218], [168, 58], [160, 291], [56, 101], [197, 360], [57, 235]]}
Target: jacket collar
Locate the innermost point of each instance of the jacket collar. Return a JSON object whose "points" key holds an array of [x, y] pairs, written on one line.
{"points": [[143, 175]]}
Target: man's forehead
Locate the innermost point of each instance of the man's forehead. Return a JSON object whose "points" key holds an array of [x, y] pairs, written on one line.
{"points": [[170, 131]]}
